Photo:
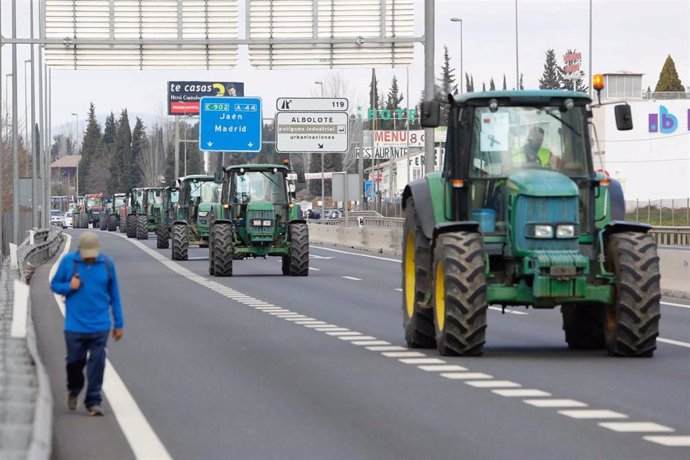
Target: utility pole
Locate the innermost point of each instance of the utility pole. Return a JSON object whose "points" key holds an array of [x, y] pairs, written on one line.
{"points": [[34, 156], [2, 155], [15, 133], [517, 59], [429, 49]]}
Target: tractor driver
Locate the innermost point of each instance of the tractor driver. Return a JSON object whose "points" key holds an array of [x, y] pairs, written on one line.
{"points": [[532, 153]]}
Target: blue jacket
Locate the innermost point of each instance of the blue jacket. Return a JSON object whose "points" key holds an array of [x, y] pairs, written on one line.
{"points": [[88, 308]]}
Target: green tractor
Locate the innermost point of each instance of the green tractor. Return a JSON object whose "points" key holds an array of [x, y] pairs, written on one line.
{"points": [[79, 218], [167, 211], [519, 216], [257, 219], [199, 198], [115, 211], [137, 219]]}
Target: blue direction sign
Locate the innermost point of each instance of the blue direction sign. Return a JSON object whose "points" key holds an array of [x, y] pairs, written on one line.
{"points": [[230, 124]]}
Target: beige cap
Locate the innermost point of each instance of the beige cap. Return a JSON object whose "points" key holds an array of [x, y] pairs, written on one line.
{"points": [[89, 247]]}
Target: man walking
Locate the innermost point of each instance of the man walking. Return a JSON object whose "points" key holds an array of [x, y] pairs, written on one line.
{"points": [[88, 281]]}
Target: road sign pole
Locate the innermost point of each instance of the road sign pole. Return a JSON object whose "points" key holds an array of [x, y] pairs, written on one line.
{"points": [[177, 147], [323, 189], [429, 25]]}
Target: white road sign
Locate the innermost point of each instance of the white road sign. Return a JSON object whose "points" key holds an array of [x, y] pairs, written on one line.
{"points": [[312, 104], [311, 132]]}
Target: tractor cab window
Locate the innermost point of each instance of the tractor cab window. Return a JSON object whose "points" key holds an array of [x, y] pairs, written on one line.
{"points": [[514, 138], [210, 192], [155, 197], [91, 202], [258, 186], [174, 196], [119, 201]]}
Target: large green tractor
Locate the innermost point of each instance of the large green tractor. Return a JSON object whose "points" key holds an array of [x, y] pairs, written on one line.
{"points": [[199, 196], [137, 219], [167, 212], [257, 219], [519, 216], [115, 211]]}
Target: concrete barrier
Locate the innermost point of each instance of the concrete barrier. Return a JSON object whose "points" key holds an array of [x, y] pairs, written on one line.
{"points": [[674, 261]]}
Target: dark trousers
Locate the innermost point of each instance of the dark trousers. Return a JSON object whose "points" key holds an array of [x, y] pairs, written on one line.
{"points": [[86, 349]]}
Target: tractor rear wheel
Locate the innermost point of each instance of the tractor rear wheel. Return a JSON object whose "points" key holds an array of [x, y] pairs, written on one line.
{"points": [[299, 249], [112, 222], [131, 225], [142, 227], [84, 220], [222, 251], [459, 294], [584, 326], [632, 323], [418, 322], [163, 236], [103, 222], [180, 242], [122, 222], [285, 265]]}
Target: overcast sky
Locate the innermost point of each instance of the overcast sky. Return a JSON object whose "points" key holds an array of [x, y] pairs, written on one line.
{"points": [[634, 35]]}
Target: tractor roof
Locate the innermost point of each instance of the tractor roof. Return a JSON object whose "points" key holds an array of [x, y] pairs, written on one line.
{"points": [[256, 167], [154, 188], [522, 97], [202, 177], [119, 194]]}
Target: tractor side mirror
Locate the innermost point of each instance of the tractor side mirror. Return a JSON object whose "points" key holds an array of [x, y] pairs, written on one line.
{"points": [[623, 117], [431, 114], [218, 176]]}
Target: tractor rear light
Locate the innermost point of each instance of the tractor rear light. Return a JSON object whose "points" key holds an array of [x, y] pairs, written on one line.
{"points": [[256, 222], [458, 183], [565, 231], [267, 223], [540, 231]]}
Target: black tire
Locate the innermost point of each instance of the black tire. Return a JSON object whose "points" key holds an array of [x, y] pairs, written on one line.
{"points": [[180, 242], [142, 227], [76, 221], [122, 223], [632, 323], [163, 236], [459, 294], [84, 220], [584, 326], [103, 222], [418, 318], [112, 222], [222, 251], [285, 265], [299, 249], [131, 225]]}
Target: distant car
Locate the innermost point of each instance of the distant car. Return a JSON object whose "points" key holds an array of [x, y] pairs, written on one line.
{"points": [[67, 220], [56, 217]]}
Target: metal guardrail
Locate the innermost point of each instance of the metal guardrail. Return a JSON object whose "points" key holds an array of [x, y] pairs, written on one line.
{"points": [[664, 236]]}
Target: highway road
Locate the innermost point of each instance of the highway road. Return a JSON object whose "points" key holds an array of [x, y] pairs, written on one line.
{"points": [[263, 366]]}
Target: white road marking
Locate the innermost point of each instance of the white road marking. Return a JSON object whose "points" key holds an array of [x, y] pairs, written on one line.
{"points": [[338, 334], [314, 269], [387, 348], [320, 324], [295, 318], [314, 256], [398, 289], [370, 342], [331, 329], [352, 278], [421, 361], [443, 368], [636, 427], [403, 354], [669, 441], [554, 403], [355, 254], [137, 430], [508, 310], [591, 413], [674, 342], [679, 305], [359, 337], [466, 376], [493, 384], [520, 392]]}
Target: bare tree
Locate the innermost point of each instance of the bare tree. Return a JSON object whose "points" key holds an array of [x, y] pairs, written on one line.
{"points": [[151, 159]]}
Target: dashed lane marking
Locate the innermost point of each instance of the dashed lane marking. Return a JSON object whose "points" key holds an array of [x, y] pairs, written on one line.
{"points": [[508, 310], [423, 362], [674, 342], [352, 278], [355, 254], [591, 414], [314, 269], [142, 439], [636, 427], [679, 305]]}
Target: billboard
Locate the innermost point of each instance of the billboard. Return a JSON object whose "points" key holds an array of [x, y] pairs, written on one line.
{"points": [[184, 96]]}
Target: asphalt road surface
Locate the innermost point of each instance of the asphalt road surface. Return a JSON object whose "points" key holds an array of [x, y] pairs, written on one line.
{"points": [[264, 366]]}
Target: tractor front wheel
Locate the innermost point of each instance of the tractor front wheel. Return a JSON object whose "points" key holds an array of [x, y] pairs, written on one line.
{"points": [[163, 236], [131, 225], [142, 227], [418, 321], [180, 242], [584, 326], [112, 222], [299, 250], [459, 294], [632, 323], [221, 251]]}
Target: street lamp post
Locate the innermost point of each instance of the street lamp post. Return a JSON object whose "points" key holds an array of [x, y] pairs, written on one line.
{"points": [[74, 148], [462, 75], [323, 182], [517, 59], [26, 107], [7, 106]]}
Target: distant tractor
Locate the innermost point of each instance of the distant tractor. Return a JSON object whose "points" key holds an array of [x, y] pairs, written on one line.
{"points": [[257, 219], [88, 210], [199, 196], [167, 212], [519, 216], [114, 210], [137, 220]]}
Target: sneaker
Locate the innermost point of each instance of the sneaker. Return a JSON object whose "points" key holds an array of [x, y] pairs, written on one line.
{"points": [[95, 410], [72, 402]]}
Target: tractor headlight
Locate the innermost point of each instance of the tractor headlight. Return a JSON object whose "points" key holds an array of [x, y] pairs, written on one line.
{"points": [[540, 231], [203, 213], [267, 223], [565, 231], [256, 223]]}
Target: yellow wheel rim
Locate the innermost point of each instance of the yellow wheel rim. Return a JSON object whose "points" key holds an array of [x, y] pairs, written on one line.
{"points": [[440, 297], [410, 274]]}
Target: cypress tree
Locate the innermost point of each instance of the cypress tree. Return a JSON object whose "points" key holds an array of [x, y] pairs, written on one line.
{"points": [[373, 98], [668, 78], [121, 179], [139, 142], [492, 85], [393, 100], [551, 77], [110, 131], [505, 85], [89, 150]]}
